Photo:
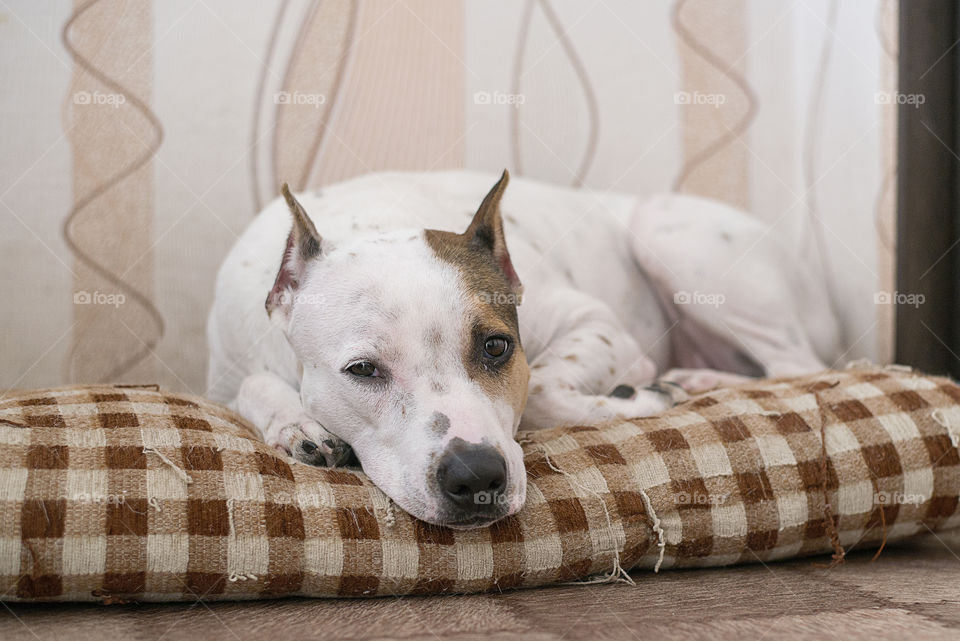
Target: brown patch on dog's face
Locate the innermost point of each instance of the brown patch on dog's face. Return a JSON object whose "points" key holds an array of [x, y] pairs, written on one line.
{"points": [[481, 257], [507, 378]]}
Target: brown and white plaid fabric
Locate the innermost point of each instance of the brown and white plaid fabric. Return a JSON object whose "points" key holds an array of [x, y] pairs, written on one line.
{"points": [[110, 493]]}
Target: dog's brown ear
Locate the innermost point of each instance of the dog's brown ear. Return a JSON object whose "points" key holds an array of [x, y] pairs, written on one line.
{"points": [[303, 245], [486, 232]]}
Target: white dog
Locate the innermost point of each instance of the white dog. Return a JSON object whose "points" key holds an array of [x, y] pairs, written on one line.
{"points": [[384, 335]]}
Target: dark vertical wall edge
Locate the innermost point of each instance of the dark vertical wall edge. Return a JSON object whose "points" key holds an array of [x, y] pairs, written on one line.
{"points": [[927, 194]]}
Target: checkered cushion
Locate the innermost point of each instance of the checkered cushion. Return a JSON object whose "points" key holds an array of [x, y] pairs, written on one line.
{"points": [[109, 492]]}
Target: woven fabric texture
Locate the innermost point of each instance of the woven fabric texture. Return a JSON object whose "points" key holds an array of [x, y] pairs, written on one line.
{"points": [[133, 493]]}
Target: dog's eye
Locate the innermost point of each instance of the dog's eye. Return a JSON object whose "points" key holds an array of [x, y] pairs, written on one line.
{"points": [[496, 346], [364, 369]]}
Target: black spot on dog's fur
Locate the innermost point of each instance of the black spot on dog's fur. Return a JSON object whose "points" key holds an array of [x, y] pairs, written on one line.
{"points": [[440, 423], [623, 391]]}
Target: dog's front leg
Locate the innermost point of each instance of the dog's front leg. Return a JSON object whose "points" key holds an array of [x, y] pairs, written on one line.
{"points": [[585, 368], [274, 407]]}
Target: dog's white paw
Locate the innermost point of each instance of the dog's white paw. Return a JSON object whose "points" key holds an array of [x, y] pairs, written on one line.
{"points": [[672, 391], [628, 402], [308, 442], [557, 405], [659, 395], [697, 381], [645, 401]]}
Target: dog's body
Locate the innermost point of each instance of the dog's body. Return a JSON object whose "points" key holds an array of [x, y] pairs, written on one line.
{"points": [[422, 312]]}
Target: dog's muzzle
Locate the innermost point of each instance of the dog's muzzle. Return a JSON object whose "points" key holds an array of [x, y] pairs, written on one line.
{"points": [[472, 481]]}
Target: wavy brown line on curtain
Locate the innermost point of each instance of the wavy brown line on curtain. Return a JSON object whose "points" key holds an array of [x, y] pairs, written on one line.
{"points": [[310, 11], [320, 136], [311, 15], [402, 104], [302, 181], [593, 110], [742, 124], [886, 234], [102, 188], [884, 209], [811, 141], [518, 56], [258, 107]]}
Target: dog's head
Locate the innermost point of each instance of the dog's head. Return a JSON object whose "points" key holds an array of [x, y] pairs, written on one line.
{"points": [[411, 353]]}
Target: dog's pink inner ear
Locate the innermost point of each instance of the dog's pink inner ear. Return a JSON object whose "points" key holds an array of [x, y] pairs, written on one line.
{"points": [[303, 245], [486, 232]]}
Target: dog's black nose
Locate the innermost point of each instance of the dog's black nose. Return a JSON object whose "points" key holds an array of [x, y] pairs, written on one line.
{"points": [[472, 477]]}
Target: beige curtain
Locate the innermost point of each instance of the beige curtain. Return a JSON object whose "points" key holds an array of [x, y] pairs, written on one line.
{"points": [[141, 137]]}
